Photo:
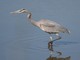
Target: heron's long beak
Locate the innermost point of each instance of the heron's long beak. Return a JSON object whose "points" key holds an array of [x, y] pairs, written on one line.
{"points": [[15, 12]]}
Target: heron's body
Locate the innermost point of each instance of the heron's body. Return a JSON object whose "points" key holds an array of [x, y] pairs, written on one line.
{"points": [[46, 25], [51, 26]]}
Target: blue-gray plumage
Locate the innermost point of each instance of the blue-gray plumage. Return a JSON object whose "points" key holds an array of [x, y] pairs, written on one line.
{"points": [[46, 25]]}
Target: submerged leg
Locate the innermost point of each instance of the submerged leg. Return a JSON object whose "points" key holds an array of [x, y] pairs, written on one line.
{"points": [[50, 45]]}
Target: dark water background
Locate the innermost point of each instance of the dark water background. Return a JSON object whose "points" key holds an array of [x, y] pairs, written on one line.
{"points": [[19, 40]]}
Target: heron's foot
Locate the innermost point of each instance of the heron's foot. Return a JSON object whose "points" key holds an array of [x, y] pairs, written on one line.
{"points": [[50, 46], [50, 43]]}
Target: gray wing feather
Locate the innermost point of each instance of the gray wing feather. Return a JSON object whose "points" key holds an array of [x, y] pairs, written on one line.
{"points": [[51, 26]]}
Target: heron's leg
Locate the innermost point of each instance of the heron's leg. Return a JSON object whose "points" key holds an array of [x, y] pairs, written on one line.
{"points": [[58, 37], [50, 46], [51, 39]]}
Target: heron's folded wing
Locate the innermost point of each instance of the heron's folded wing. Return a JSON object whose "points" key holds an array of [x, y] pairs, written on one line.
{"points": [[48, 28], [52, 26]]}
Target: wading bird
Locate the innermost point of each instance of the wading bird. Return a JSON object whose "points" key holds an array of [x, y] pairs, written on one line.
{"points": [[50, 27]]}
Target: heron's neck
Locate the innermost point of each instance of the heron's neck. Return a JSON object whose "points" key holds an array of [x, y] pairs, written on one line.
{"points": [[29, 16]]}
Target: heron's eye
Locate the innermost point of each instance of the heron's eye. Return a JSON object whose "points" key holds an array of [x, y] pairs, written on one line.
{"points": [[22, 10]]}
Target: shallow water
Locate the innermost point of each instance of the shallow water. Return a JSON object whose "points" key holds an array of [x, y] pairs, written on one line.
{"points": [[19, 40]]}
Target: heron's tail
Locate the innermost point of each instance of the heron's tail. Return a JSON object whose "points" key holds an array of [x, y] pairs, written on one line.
{"points": [[67, 31]]}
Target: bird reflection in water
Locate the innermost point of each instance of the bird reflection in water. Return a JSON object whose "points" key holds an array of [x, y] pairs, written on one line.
{"points": [[55, 58], [51, 57]]}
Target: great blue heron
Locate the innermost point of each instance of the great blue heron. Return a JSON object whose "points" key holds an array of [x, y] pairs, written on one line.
{"points": [[46, 25]]}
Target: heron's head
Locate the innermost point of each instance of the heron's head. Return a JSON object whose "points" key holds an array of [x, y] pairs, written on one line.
{"points": [[20, 11]]}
